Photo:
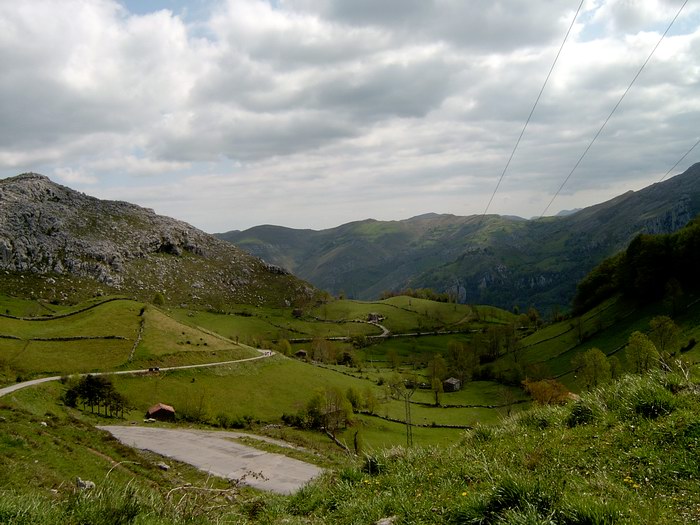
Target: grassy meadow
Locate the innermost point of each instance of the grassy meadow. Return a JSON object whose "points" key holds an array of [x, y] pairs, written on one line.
{"points": [[504, 459]]}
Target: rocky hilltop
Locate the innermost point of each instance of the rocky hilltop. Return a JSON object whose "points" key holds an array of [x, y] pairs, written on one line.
{"points": [[61, 244]]}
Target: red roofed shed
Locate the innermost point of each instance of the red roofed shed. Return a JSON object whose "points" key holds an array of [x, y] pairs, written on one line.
{"points": [[161, 412]]}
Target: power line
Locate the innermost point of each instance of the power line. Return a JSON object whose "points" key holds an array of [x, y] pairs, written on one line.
{"points": [[679, 160], [585, 152], [517, 143]]}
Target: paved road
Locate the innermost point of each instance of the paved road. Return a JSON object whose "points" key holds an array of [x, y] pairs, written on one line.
{"points": [[213, 453]]}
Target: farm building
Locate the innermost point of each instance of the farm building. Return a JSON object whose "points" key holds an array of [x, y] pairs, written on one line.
{"points": [[161, 412], [451, 384]]}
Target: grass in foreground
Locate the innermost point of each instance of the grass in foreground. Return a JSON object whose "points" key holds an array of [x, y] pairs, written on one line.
{"points": [[626, 453]]}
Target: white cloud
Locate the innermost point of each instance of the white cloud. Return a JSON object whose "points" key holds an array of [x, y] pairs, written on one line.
{"points": [[71, 176], [312, 113]]}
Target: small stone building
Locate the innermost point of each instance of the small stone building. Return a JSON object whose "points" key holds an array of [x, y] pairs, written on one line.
{"points": [[161, 412], [451, 384]]}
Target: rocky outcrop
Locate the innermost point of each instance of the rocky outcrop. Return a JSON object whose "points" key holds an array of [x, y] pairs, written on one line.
{"points": [[49, 229]]}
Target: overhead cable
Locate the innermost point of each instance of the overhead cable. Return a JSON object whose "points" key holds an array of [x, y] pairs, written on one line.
{"points": [[517, 143], [679, 160], [585, 152]]}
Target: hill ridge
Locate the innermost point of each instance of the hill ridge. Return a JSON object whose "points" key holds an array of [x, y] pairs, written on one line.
{"points": [[491, 259]]}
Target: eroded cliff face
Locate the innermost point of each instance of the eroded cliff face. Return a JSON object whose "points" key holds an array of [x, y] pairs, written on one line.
{"points": [[50, 230]]}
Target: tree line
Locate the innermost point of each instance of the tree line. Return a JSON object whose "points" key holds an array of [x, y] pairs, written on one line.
{"points": [[421, 293], [652, 268]]}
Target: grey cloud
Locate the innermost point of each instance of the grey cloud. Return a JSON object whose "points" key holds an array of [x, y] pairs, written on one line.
{"points": [[493, 25], [216, 132], [392, 90]]}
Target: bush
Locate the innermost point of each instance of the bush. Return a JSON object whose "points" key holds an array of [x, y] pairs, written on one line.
{"points": [[581, 414], [652, 403], [547, 391], [482, 433], [511, 501], [373, 465]]}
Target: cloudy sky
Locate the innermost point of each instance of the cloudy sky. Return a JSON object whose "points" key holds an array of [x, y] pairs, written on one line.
{"points": [[313, 113]]}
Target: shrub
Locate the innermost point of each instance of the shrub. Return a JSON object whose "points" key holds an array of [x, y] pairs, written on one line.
{"points": [[581, 414], [511, 501], [373, 465], [482, 433], [653, 402], [547, 391]]}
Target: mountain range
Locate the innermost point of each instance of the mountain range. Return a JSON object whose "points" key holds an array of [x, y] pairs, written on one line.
{"points": [[62, 245], [500, 260]]}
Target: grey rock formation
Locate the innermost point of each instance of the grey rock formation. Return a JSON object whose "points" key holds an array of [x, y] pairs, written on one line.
{"points": [[50, 230]]}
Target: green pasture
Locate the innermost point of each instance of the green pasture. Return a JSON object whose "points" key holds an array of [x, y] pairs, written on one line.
{"points": [[411, 349], [116, 318], [256, 325], [167, 342], [264, 389], [607, 327], [54, 357], [102, 338], [406, 314], [377, 434], [474, 393]]}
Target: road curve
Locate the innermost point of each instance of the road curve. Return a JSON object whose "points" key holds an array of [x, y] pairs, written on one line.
{"points": [[12, 388], [214, 452]]}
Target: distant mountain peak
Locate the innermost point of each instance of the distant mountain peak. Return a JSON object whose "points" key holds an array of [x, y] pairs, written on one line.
{"points": [[499, 260]]}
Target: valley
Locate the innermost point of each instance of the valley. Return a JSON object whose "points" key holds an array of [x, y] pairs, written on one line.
{"points": [[405, 408]]}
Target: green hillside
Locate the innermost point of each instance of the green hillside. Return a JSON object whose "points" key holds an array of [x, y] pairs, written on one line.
{"points": [[622, 453], [503, 261], [625, 453], [100, 335]]}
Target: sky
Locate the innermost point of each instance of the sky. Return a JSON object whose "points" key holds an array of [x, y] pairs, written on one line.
{"points": [[312, 113]]}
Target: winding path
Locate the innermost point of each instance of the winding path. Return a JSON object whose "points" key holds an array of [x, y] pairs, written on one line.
{"points": [[12, 388]]}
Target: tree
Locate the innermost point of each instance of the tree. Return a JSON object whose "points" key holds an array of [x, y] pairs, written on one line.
{"points": [[338, 410], [512, 342], [673, 296], [437, 371], [506, 398], [353, 396], [394, 359], [370, 400], [664, 334], [284, 347], [534, 317], [615, 367], [593, 368], [462, 360], [96, 392], [323, 351], [328, 410], [494, 342], [641, 353]]}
